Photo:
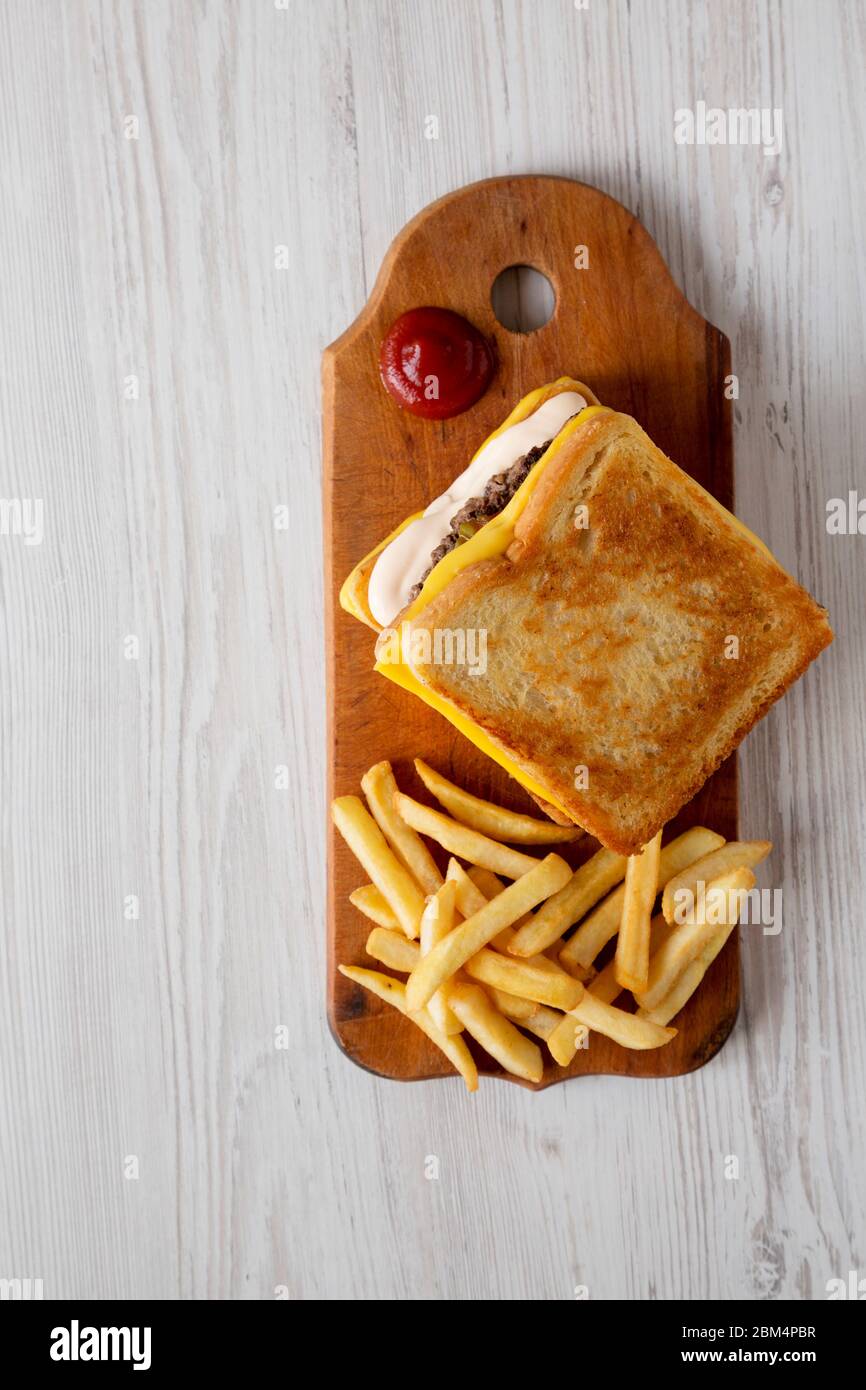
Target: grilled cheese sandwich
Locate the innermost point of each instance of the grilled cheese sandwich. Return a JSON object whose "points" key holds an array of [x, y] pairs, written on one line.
{"points": [[527, 578]]}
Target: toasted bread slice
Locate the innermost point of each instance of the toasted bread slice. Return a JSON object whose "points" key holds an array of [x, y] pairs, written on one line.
{"points": [[550, 811], [641, 648]]}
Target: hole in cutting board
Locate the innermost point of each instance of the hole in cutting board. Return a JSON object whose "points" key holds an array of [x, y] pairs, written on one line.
{"points": [[523, 299]]}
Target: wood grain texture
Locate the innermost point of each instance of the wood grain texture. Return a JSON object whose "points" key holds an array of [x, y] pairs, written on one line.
{"points": [[644, 351], [304, 127]]}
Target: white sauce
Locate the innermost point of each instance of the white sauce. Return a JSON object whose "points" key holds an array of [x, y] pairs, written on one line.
{"points": [[402, 563]]}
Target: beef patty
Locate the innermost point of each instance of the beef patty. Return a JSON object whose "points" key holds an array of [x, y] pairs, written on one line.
{"points": [[479, 510]]}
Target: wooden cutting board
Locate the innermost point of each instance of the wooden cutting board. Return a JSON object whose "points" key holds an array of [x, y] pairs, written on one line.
{"points": [[622, 326]]}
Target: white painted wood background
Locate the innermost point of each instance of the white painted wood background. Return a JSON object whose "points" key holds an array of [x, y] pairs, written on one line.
{"points": [[262, 126]]}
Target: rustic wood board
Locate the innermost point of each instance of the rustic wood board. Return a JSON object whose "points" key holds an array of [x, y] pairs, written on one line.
{"points": [[624, 327]]}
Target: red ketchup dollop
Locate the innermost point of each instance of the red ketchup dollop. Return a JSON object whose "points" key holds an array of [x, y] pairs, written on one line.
{"points": [[435, 363]]}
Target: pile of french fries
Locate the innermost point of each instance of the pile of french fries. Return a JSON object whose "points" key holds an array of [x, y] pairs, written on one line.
{"points": [[495, 960]]}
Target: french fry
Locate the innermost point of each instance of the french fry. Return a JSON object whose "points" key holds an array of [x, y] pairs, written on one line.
{"points": [[486, 966], [383, 986], [393, 949], [543, 1023], [502, 942], [437, 921], [379, 861], [491, 887], [536, 1017], [633, 942], [718, 907], [626, 1029], [472, 885], [605, 988], [455, 1049], [454, 950], [470, 898], [597, 1013], [489, 884], [512, 1006], [736, 854], [583, 889], [516, 1053], [685, 986], [491, 819], [596, 930], [566, 1038], [460, 840], [380, 788], [523, 978], [394, 992], [585, 973], [370, 901]]}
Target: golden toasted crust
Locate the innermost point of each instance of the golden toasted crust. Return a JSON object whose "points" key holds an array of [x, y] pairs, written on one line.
{"points": [[641, 649], [550, 811]]}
